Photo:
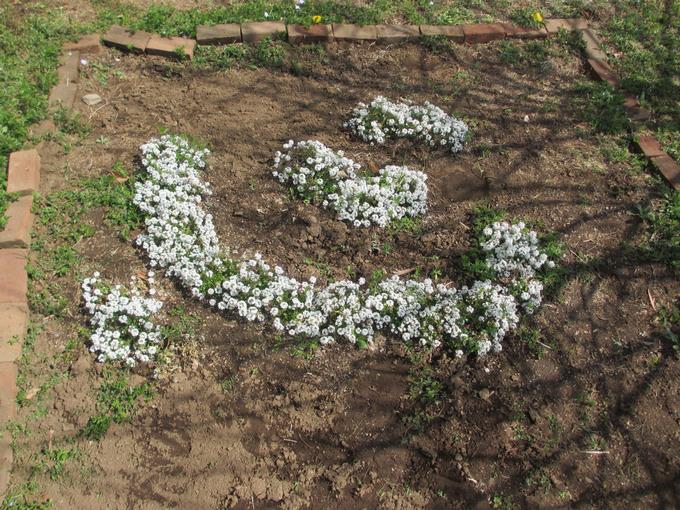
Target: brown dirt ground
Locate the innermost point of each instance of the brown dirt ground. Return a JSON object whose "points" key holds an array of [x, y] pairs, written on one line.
{"points": [[338, 428]]}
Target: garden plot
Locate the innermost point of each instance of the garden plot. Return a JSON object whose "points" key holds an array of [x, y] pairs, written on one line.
{"points": [[236, 413]]}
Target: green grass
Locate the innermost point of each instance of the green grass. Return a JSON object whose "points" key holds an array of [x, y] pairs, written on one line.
{"points": [[663, 231], [117, 402]]}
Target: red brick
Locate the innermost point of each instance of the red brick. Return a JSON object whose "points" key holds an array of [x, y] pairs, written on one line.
{"points": [[554, 25], [452, 32], [636, 113], [13, 324], [650, 146], [669, 169], [13, 279], [225, 33], [483, 32], [604, 72], [126, 40], [68, 70], [255, 32], [354, 33], [6, 458], [8, 392], [169, 46], [17, 232], [397, 33], [593, 46], [63, 95], [23, 173], [298, 34], [517, 32], [88, 44]]}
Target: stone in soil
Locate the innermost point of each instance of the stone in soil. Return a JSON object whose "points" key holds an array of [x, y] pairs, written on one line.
{"points": [[298, 34], [68, 70], [554, 25], [397, 33], [62, 95], [87, 44], [91, 99]]}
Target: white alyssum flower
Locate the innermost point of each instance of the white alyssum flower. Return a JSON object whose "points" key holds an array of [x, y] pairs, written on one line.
{"points": [[316, 173], [382, 120], [122, 320], [181, 239]]}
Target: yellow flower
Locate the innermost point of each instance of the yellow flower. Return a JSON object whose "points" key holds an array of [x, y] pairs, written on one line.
{"points": [[538, 17], [316, 19]]}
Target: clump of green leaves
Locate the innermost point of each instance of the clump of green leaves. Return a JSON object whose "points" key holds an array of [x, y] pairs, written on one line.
{"points": [[116, 403], [532, 54], [663, 225], [602, 106]]}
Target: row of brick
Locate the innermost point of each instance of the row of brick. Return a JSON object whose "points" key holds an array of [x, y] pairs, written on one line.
{"points": [[297, 34], [23, 178], [647, 144], [254, 32]]}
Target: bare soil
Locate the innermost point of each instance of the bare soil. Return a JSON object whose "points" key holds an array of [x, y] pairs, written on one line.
{"points": [[339, 427]]}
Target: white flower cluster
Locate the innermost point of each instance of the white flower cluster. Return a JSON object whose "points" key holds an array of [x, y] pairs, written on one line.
{"points": [[180, 235], [122, 319], [317, 173], [383, 119], [471, 319], [514, 254]]}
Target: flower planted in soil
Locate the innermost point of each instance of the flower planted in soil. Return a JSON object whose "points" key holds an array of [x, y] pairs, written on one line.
{"points": [[123, 321], [383, 120], [318, 174], [181, 238]]}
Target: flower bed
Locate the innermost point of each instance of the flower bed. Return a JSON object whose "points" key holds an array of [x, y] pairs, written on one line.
{"points": [[181, 239]]}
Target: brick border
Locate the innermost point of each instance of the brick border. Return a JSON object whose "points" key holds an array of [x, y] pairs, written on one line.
{"points": [[24, 166]]}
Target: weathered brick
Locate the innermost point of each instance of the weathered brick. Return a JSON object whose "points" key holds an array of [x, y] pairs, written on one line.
{"points": [[90, 43], [593, 46], [650, 146], [17, 232], [298, 34], [126, 40], [23, 172], [397, 33], [451, 32], [603, 71], [13, 279], [8, 392], [554, 25], [516, 32], [669, 169], [68, 70], [170, 46], [225, 33], [13, 324], [256, 31], [6, 458], [354, 33], [483, 32], [63, 95]]}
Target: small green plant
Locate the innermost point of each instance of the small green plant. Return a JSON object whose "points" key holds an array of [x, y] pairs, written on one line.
{"points": [[425, 388], [602, 106], [228, 383], [269, 53], [116, 403], [70, 123], [54, 459], [663, 225]]}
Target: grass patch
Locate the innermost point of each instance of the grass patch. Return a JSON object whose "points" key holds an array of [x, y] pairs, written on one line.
{"points": [[117, 402]]}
